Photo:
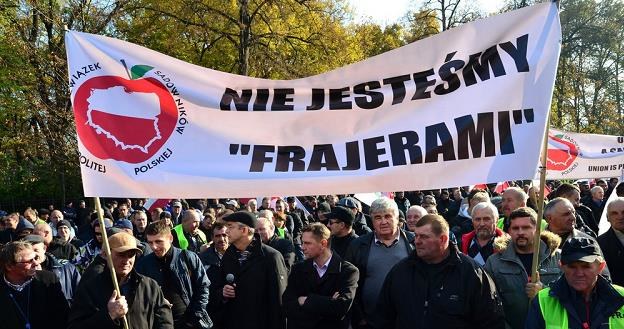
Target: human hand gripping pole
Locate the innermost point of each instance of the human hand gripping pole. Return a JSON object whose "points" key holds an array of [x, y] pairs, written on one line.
{"points": [[117, 292]]}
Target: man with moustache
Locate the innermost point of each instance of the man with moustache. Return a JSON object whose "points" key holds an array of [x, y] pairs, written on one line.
{"points": [[510, 268], [479, 244], [211, 258]]}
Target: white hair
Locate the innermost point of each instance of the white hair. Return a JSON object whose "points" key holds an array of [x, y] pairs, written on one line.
{"points": [[485, 205]]}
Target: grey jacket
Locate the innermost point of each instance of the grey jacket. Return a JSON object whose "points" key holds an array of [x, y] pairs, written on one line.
{"points": [[510, 277]]}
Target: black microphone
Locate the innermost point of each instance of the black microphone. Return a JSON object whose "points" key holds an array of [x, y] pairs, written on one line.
{"points": [[229, 278]]}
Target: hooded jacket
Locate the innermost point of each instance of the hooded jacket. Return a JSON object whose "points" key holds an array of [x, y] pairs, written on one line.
{"points": [[510, 277]]}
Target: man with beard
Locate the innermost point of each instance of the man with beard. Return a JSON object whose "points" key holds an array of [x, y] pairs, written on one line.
{"points": [[437, 287], [479, 244], [181, 276], [510, 268], [29, 298]]}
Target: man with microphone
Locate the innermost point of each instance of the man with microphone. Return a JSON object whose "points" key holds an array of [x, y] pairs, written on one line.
{"points": [[253, 278]]}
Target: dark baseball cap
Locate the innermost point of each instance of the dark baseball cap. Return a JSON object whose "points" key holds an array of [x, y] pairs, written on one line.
{"points": [[342, 214], [323, 208], [243, 217], [123, 223], [580, 249]]}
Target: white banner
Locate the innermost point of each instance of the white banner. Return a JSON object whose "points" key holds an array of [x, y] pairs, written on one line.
{"points": [[578, 156], [462, 107]]}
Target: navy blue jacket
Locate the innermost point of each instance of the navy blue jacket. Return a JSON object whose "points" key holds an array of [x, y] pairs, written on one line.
{"points": [[192, 282], [67, 273]]}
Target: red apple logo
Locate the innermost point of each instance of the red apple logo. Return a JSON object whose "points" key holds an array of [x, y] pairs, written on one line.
{"points": [[124, 120], [561, 153]]}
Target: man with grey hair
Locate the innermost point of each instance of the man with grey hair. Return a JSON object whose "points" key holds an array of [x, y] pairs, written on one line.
{"points": [[513, 198], [479, 244], [595, 202], [374, 254], [561, 217], [612, 241], [266, 229], [414, 213]]}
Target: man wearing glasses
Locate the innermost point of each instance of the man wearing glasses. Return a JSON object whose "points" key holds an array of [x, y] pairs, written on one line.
{"points": [[29, 298]]}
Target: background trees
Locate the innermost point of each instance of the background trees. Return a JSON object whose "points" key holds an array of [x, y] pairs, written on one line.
{"points": [[262, 38]]}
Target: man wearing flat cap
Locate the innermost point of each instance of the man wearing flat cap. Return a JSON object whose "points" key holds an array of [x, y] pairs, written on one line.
{"points": [[341, 226], [581, 298], [253, 278], [97, 305]]}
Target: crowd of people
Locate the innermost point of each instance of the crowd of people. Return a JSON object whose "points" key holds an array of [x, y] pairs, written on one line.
{"points": [[453, 258]]}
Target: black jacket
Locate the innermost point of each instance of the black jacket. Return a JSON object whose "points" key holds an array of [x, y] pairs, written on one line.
{"points": [[320, 310], [357, 254], [340, 244], [362, 224], [192, 282], [458, 294], [48, 307], [613, 251], [606, 302], [212, 264], [146, 304], [285, 247], [260, 283]]}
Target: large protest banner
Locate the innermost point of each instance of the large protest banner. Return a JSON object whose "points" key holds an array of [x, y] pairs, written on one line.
{"points": [[463, 107], [578, 156]]}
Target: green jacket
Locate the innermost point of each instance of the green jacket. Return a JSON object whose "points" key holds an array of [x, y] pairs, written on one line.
{"points": [[510, 277]]}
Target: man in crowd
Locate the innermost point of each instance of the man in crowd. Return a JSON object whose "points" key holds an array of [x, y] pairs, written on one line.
{"points": [[10, 224], [402, 202], [123, 211], [585, 220], [292, 209], [596, 202], [362, 223], [91, 249], [253, 278], [293, 224], [139, 223], [462, 223], [29, 298], [340, 222], [414, 213], [510, 268], [187, 235], [266, 230], [181, 276], [61, 246], [142, 301], [512, 199], [581, 298], [55, 217], [211, 258], [561, 217], [479, 244], [321, 289], [176, 213], [612, 241], [66, 272], [374, 254], [437, 287]]}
